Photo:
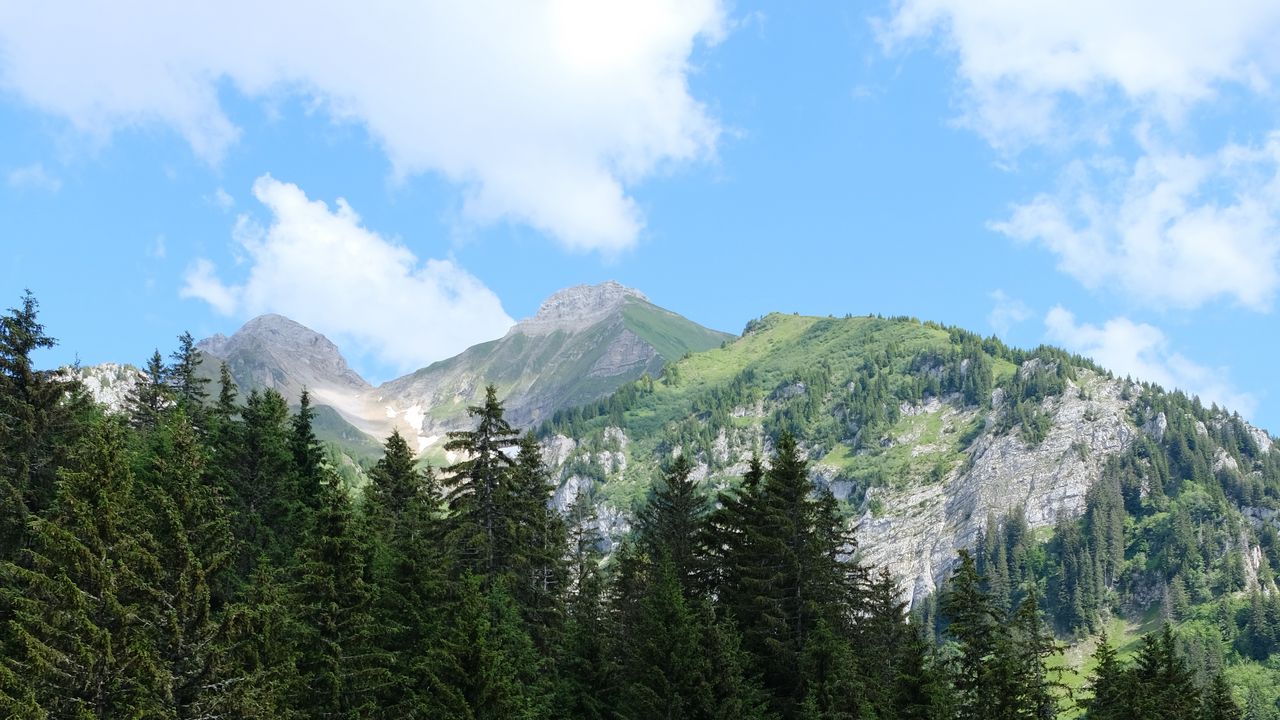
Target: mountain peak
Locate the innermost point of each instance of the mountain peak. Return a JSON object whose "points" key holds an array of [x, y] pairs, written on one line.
{"points": [[277, 352], [579, 306]]}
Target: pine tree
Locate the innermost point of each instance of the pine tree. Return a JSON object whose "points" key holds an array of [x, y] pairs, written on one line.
{"points": [[192, 543], [152, 395], [1218, 702], [339, 657], [476, 484], [1108, 686], [532, 539], [190, 388], [404, 507], [79, 595]]}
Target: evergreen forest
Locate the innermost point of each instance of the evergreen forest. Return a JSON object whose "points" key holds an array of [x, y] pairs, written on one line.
{"points": [[199, 556]]}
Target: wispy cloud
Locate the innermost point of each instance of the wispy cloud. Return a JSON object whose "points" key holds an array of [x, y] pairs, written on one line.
{"points": [[34, 177], [1171, 230], [1033, 71], [1143, 352], [1006, 312]]}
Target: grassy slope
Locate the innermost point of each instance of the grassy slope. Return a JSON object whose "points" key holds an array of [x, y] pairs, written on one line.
{"points": [[781, 347]]}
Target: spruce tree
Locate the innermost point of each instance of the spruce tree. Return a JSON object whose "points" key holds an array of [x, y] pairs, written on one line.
{"points": [[532, 538], [976, 623], [1162, 685], [152, 395], [339, 657], [1218, 703], [585, 665], [404, 508], [190, 388], [192, 543], [476, 485], [308, 457], [668, 527], [79, 595], [1108, 686], [37, 425], [790, 575]]}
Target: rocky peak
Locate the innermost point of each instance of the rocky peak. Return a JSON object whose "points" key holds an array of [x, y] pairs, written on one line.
{"points": [[278, 352], [578, 307]]}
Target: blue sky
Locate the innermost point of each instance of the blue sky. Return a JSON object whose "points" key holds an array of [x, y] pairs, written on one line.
{"points": [[409, 181]]}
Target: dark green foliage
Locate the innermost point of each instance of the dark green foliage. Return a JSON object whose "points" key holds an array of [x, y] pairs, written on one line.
{"points": [[475, 487], [204, 560], [83, 638], [190, 389], [339, 656]]}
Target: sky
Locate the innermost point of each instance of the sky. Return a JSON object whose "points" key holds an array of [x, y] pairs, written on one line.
{"points": [[411, 178]]}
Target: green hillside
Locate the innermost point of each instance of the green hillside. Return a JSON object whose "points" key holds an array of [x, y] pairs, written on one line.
{"points": [[1178, 525]]}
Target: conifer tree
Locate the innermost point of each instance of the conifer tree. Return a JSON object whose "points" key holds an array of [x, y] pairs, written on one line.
{"points": [[260, 469], [476, 485], [1033, 646], [790, 576], [1218, 702], [1108, 686], [190, 389], [668, 527], [404, 507], [79, 594], [194, 549], [497, 668], [533, 541], [37, 424], [1162, 686], [308, 456], [152, 395], [339, 657], [975, 621], [585, 664]]}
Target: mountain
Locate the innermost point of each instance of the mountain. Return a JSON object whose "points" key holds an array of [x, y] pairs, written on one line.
{"points": [[927, 435], [584, 343]]}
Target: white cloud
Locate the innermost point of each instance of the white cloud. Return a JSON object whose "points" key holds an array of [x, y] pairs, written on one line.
{"points": [[1172, 230], [1018, 61], [201, 282], [159, 248], [1006, 312], [222, 200], [321, 267], [1142, 351], [544, 112], [34, 177]]}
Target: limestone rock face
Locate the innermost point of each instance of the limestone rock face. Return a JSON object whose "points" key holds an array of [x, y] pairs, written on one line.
{"points": [[920, 529], [109, 384], [915, 528]]}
